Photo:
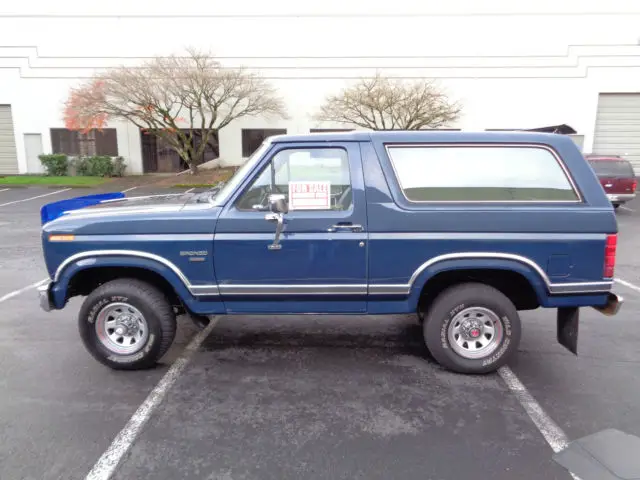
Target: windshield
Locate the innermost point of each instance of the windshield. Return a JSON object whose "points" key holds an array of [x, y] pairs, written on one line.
{"points": [[220, 196], [612, 168]]}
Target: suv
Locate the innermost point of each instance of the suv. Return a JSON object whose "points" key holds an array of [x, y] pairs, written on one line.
{"points": [[462, 229], [616, 176]]}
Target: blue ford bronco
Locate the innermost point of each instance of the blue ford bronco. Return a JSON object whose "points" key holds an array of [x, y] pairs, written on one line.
{"points": [[462, 229]]}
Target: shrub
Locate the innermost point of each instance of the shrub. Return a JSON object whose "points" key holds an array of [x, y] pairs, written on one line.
{"points": [[96, 166], [55, 164], [118, 167]]}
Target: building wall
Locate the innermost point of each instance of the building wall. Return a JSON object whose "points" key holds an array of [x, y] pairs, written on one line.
{"points": [[511, 64]]}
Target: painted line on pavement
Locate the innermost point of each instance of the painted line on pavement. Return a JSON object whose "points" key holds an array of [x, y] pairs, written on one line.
{"points": [[628, 284], [190, 190], [15, 293], [107, 464], [552, 433], [627, 208], [3, 189], [33, 198], [129, 189]]}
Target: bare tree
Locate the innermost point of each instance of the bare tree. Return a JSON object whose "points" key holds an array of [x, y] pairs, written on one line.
{"points": [[176, 98], [383, 103]]}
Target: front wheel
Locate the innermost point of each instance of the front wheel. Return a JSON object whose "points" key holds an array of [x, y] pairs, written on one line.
{"points": [[127, 324], [472, 328]]}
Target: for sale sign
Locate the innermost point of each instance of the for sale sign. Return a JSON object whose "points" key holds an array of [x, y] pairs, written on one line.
{"points": [[309, 195]]}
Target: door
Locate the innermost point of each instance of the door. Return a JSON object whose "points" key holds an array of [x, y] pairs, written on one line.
{"points": [[319, 263], [8, 157], [33, 149], [617, 130]]}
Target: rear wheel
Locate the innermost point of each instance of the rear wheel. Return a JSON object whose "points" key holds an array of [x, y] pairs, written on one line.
{"points": [[616, 205], [127, 324], [472, 328]]}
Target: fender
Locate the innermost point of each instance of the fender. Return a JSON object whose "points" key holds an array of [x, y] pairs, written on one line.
{"points": [[126, 258], [530, 270]]}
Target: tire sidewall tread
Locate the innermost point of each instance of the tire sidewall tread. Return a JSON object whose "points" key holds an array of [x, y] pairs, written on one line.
{"points": [[454, 300], [153, 305]]}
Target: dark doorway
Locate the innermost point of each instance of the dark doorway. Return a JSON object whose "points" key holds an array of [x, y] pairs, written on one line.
{"points": [[159, 157]]}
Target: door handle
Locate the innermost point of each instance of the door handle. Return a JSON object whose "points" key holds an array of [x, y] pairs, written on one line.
{"points": [[339, 227]]}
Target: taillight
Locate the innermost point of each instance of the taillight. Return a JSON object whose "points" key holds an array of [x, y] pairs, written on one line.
{"points": [[634, 185], [610, 255]]}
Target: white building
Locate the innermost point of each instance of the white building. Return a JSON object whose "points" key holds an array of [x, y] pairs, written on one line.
{"points": [[512, 64]]}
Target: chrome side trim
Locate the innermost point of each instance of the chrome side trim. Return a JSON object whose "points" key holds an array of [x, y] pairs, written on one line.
{"points": [[576, 287], [172, 237], [580, 287], [200, 290], [194, 289], [390, 289], [484, 236], [557, 158], [344, 289]]}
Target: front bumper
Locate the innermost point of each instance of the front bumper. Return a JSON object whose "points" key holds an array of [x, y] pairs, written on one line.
{"points": [[44, 293], [620, 197]]}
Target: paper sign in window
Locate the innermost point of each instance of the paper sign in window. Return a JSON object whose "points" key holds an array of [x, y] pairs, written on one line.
{"points": [[309, 195]]}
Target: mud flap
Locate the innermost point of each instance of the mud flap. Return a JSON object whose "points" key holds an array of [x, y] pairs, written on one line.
{"points": [[568, 319]]}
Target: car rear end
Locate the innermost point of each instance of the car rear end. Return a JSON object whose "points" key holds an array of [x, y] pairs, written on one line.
{"points": [[616, 176]]}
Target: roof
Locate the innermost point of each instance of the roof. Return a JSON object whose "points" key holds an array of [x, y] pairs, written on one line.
{"points": [[400, 136]]}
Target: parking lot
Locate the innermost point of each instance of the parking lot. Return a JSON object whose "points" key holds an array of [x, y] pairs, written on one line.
{"points": [[299, 397]]}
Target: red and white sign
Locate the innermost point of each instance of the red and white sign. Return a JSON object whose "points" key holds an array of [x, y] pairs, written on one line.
{"points": [[309, 195]]}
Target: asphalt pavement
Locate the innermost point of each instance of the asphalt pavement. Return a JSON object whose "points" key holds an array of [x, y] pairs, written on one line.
{"points": [[299, 396]]}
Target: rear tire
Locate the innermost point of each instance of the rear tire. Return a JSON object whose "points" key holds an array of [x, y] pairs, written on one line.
{"points": [[127, 324], [616, 206], [472, 328]]}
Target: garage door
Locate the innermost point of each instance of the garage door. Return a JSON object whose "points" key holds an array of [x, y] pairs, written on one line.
{"points": [[8, 158], [618, 126]]}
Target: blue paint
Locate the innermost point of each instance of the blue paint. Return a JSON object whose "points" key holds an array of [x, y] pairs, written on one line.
{"points": [[51, 211], [236, 241]]}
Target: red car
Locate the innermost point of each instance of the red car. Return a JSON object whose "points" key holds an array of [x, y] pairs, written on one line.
{"points": [[616, 176]]}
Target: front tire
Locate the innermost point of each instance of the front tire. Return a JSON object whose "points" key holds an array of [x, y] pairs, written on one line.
{"points": [[472, 328], [127, 324]]}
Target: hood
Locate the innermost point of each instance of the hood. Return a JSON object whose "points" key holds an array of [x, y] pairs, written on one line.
{"points": [[117, 203]]}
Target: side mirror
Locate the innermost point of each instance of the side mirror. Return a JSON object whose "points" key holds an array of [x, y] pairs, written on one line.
{"points": [[277, 203]]}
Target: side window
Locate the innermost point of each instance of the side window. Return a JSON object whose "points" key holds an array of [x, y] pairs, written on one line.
{"points": [[480, 174], [310, 179]]}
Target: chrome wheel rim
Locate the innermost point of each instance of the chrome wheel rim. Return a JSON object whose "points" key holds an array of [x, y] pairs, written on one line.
{"points": [[475, 332], [121, 328]]}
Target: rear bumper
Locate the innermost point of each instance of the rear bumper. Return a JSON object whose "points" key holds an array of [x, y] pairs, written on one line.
{"points": [[614, 302], [44, 294], [620, 197]]}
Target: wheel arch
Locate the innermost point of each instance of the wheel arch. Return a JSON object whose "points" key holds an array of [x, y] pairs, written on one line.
{"points": [[82, 274], [507, 273]]}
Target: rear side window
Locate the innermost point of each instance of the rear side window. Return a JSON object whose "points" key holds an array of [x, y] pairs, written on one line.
{"points": [[480, 174], [612, 168]]}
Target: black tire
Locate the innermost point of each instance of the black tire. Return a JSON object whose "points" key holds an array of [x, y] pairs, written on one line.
{"points": [[616, 206], [158, 315], [457, 299]]}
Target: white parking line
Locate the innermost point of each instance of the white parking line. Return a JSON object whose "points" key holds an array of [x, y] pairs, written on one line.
{"points": [[129, 189], [552, 433], [109, 461], [627, 208], [190, 190], [628, 284], [33, 198], [22, 290], [3, 189]]}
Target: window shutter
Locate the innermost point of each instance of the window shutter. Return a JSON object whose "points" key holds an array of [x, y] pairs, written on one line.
{"points": [[107, 142]]}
